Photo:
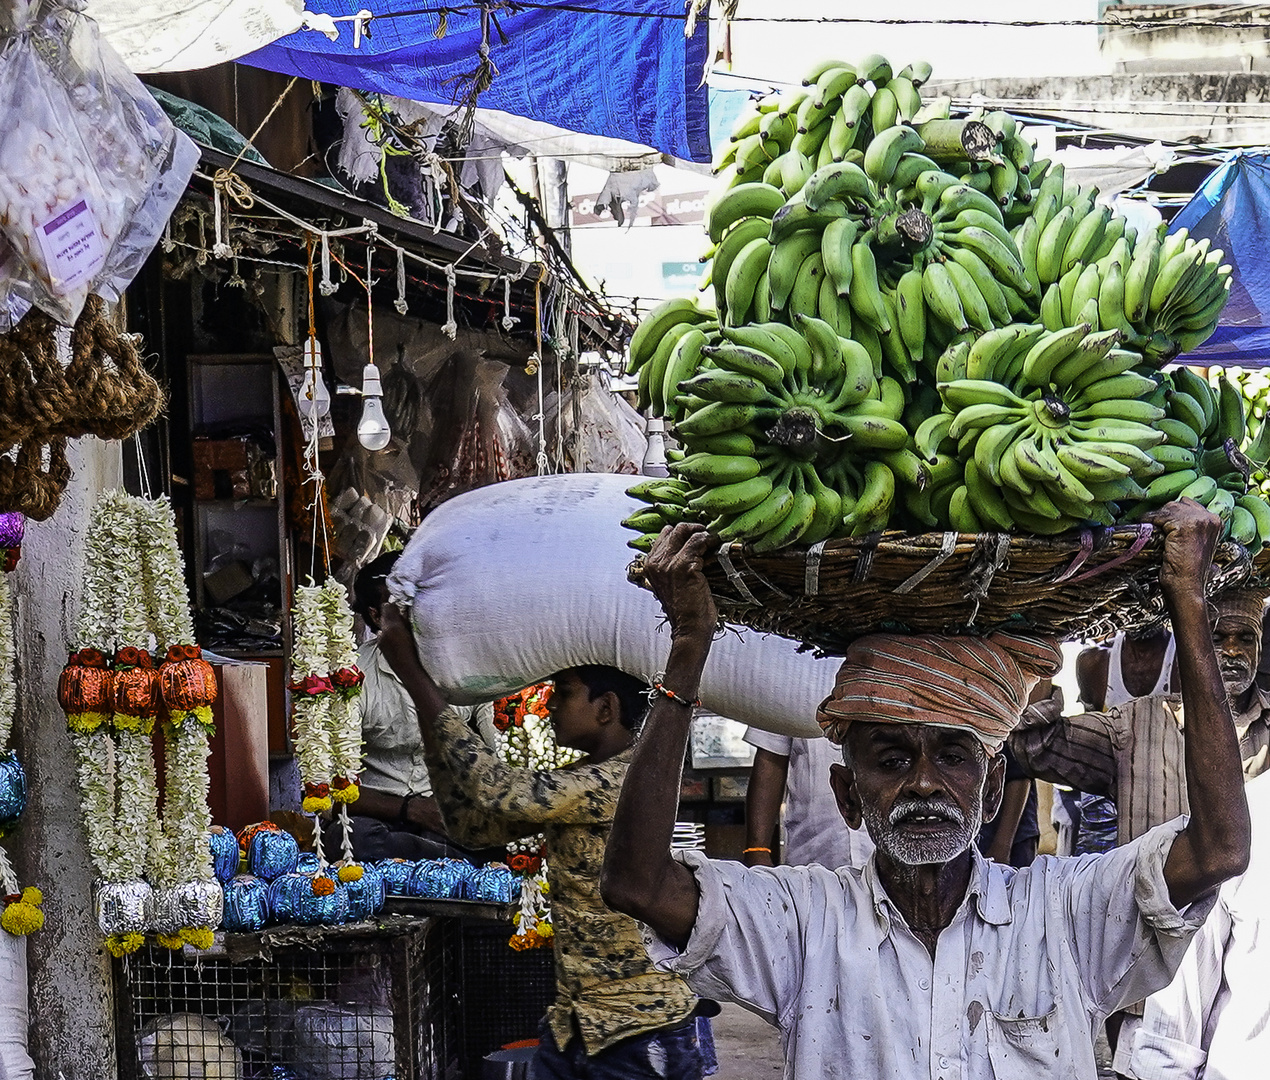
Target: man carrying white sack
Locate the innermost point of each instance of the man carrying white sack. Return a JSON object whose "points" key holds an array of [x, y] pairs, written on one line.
{"points": [[930, 962]]}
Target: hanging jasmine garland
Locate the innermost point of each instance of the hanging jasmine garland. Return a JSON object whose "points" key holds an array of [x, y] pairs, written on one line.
{"points": [[154, 874], [328, 733], [312, 698], [21, 912]]}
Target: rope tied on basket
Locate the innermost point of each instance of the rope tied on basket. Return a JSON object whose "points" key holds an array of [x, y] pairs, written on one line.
{"points": [[979, 683]]}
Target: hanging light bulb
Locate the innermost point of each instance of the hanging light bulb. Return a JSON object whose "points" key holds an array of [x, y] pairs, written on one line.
{"points": [[315, 399], [373, 431]]}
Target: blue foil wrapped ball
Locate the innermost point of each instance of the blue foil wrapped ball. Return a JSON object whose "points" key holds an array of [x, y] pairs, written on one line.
{"points": [[292, 899], [493, 884], [439, 879], [396, 874], [246, 904], [366, 895], [270, 854], [225, 854], [308, 863], [12, 791]]}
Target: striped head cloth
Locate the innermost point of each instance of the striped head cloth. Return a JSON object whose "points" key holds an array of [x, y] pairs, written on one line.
{"points": [[981, 683], [1247, 605]]}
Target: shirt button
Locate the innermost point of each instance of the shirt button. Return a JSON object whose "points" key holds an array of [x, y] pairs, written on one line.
{"points": [[943, 1063], [924, 983]]}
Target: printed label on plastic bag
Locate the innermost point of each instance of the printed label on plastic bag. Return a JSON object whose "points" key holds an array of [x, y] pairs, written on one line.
{"points": [[72, 244]]}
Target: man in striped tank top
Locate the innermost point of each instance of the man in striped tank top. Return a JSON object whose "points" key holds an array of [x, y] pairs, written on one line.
{"points": [[1132, 752]]}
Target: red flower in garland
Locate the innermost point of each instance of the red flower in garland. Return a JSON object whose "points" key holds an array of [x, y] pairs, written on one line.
{"points": [[348, 681], [512, 710], [312, 685], [525, 864]]}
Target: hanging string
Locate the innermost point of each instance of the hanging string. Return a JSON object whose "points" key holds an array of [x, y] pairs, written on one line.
{"points": [[219, 248], [509, 320], [227, 180], [400, 302], [312, 463], [327, 286], [143, 473], [450, 328], [543, 462]]}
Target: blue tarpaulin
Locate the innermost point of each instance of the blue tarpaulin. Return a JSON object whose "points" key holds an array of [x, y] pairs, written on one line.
{"points": [[623, 70], [1232, 209]]}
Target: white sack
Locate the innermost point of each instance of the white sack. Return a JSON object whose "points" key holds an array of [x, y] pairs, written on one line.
{"points": [[158, 35], [510, 583], [15, 1062]]}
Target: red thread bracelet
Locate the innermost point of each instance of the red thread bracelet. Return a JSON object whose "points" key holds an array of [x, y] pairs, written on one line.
{"points": [[676, 698]]}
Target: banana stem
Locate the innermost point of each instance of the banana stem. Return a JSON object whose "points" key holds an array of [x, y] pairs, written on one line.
{"points": [[796, 430], [949, 141]]}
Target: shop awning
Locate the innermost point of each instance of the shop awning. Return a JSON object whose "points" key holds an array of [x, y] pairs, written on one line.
{"points": [[1232, 209], [622, 69]]}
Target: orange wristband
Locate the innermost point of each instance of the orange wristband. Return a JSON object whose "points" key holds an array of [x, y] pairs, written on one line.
{"points": [[749, 849]]}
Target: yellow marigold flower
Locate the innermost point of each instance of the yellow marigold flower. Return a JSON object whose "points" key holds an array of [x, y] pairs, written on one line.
{"points": [[199, 936], [123, 944], [21, 917]]}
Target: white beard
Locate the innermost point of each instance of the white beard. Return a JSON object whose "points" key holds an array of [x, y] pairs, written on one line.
{"points": [[910, 850]]}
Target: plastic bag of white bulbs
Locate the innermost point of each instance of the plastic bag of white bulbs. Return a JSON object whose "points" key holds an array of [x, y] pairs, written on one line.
{"points": [[186, 1046], [90, 166]]}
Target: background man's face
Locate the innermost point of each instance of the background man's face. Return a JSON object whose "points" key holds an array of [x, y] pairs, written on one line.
{"points": [[1237, 642]]}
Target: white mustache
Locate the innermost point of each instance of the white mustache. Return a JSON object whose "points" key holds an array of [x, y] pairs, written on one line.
{"points": [[922, 808]]}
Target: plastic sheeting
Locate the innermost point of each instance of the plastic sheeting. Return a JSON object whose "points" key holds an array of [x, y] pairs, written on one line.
{"points": [[604, 73], [185, 35], [1232, 209]]}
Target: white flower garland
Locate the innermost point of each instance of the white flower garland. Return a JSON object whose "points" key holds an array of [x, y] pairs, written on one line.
{"points": [[344, 720], [187, 818], [8, 675], [119, 789], [163, 574], [309, 661], [134, 595]]}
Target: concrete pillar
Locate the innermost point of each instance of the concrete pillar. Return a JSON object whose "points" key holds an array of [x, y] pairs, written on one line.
{"points": [[72, 1023]]}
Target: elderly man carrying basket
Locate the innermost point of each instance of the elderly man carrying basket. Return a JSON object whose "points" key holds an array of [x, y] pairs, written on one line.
{"points": [[930, 961]]}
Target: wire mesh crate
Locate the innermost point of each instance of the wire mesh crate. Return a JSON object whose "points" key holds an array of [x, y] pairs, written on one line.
{"points": [[504, 993], [299, 1003]]}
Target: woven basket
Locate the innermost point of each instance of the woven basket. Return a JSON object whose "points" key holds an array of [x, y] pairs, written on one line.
{"points": [[1087, 584]]}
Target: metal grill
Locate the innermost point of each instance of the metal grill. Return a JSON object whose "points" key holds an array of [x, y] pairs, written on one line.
{"points": [[341, 1003]]}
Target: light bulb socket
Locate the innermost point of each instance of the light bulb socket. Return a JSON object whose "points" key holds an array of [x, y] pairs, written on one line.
{"points": [[370, 382]]}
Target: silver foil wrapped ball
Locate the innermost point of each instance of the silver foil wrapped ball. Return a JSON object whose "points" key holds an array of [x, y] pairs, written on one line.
{"points": [[396, 874], [191, 903], [225, 854], [272, 853], [496, 884], [440, 879], [292, 899], [366, 895], [125, 907], [246, 904], [12, 791]]}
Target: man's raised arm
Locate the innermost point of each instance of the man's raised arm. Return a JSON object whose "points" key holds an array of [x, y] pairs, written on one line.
{"points": [[1214, 844], [640, 878]]}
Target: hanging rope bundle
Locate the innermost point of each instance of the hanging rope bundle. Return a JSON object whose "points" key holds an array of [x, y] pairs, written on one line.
{"points": [[46, 397]]}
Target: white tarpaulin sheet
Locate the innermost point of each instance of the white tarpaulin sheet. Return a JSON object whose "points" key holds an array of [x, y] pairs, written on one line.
{"points": [[186, 35]]}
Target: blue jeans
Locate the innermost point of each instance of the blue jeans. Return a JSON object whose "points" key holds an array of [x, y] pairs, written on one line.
{"points": [[665, 1054]]}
